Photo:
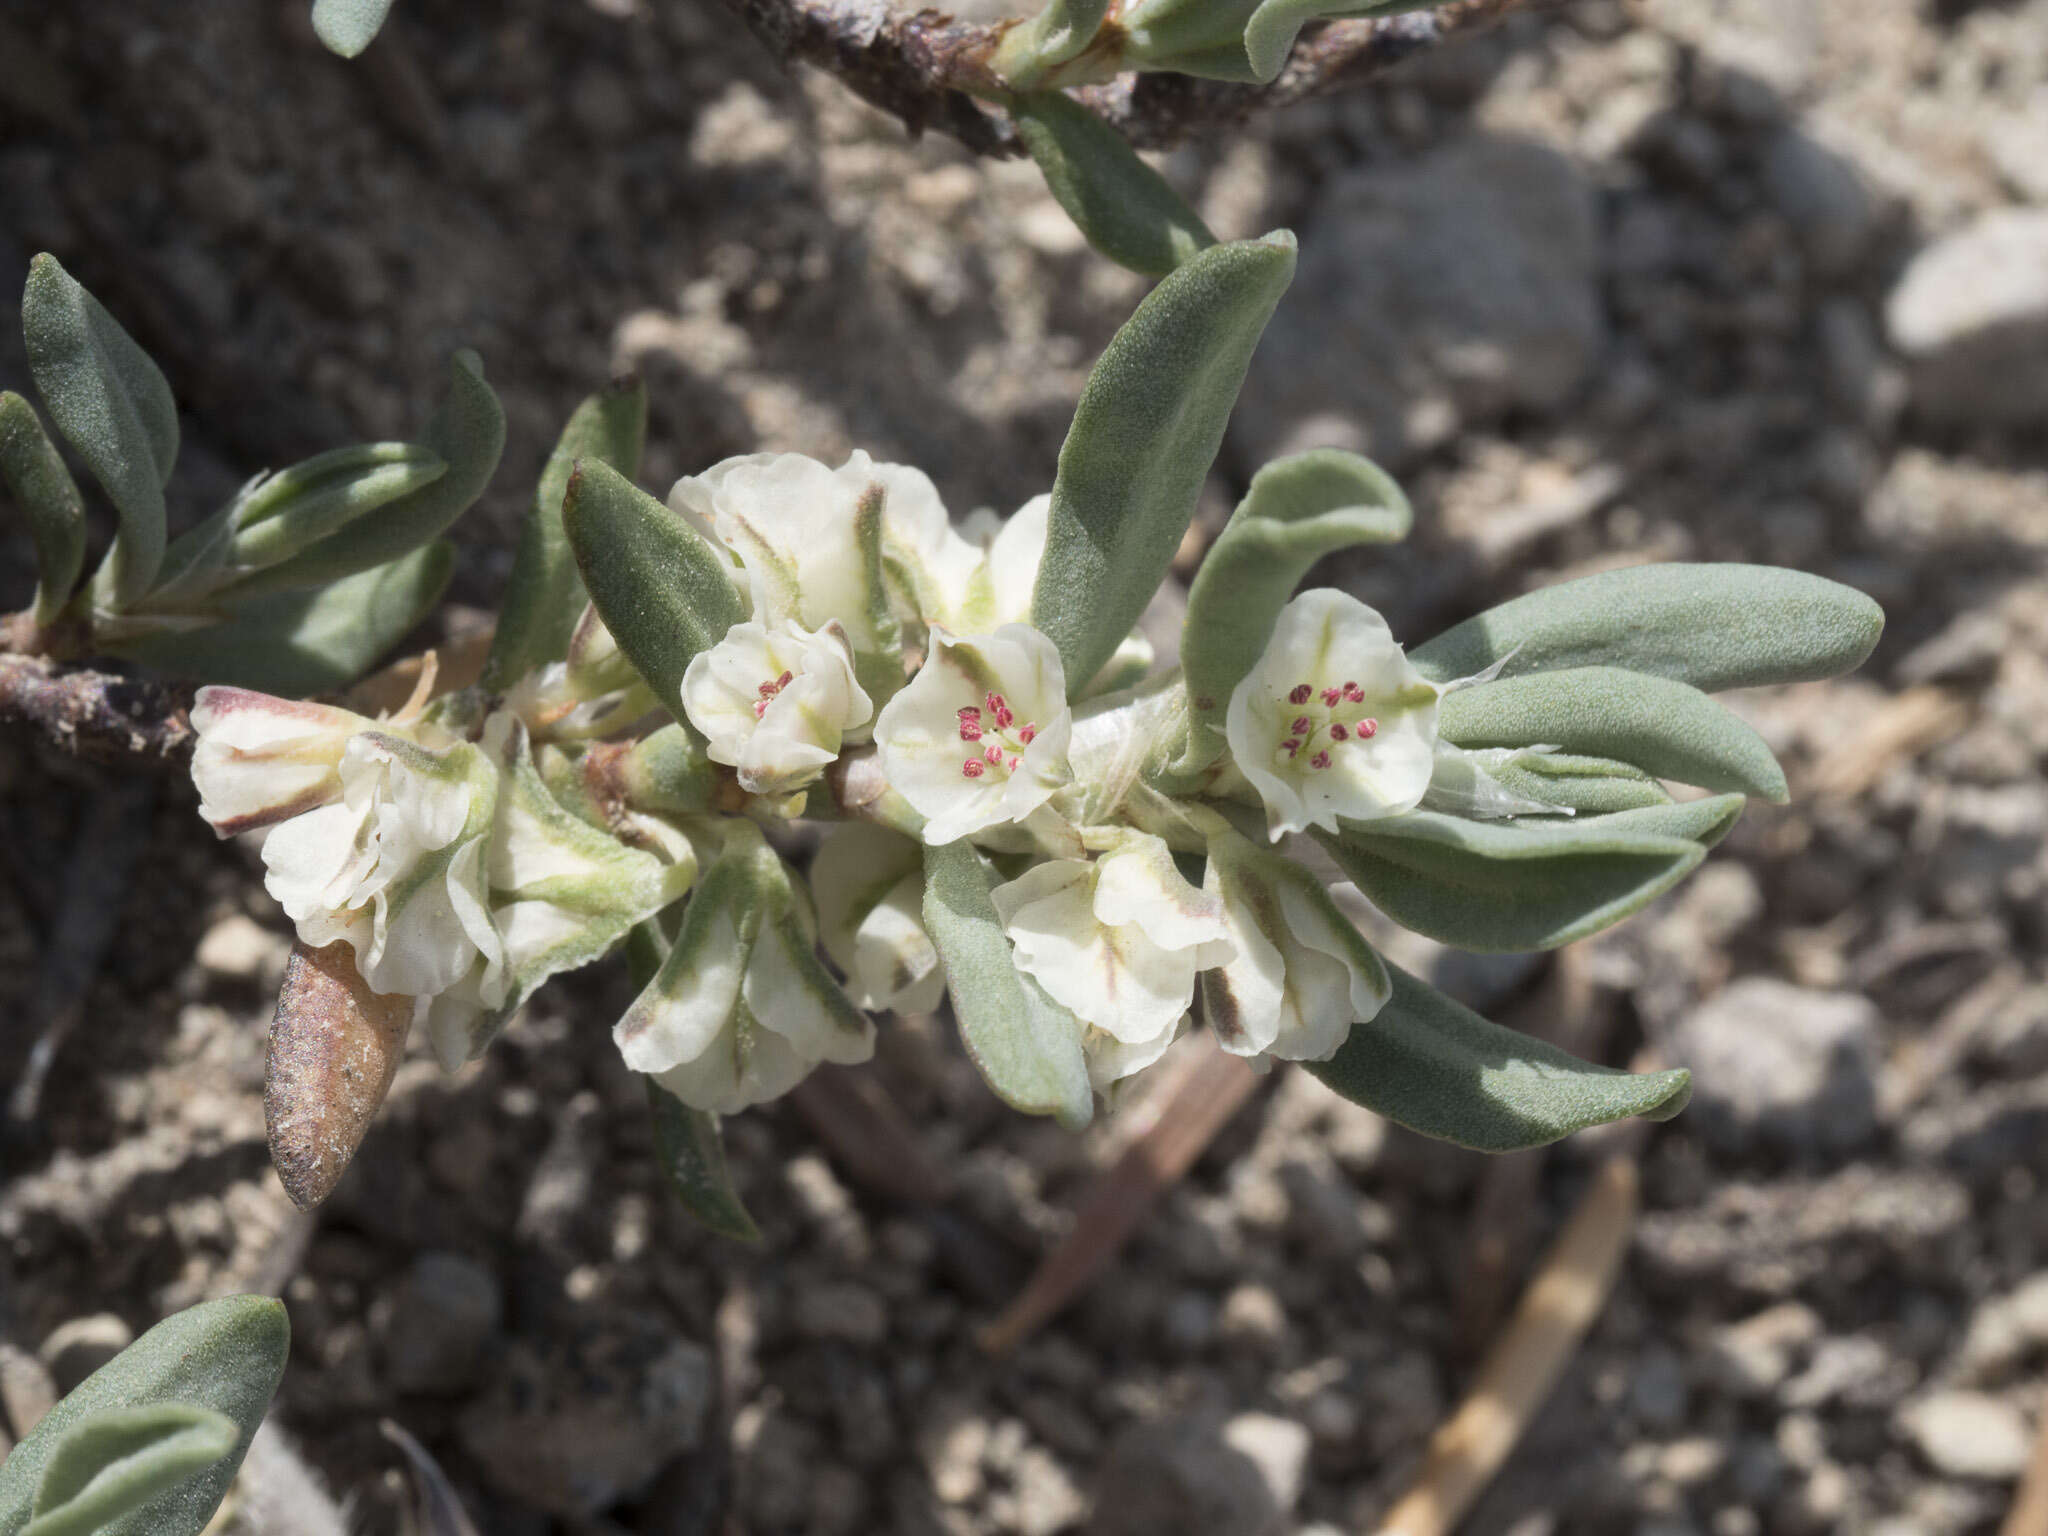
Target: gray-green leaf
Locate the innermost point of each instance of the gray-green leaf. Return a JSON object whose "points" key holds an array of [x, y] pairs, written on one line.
{"points": [[1436, 1067], [1296, 511], [347, 27], [1026, 1045], [112, 405], [1591, 786], [687, 1146], [304, 642], [120, 1459], [1502, 886], [545, 595], [225, 1355], [1713, 626], [468, 432], [1666, 728], [1126, 209], [34, 474], [1143, 437], [661, 590]]}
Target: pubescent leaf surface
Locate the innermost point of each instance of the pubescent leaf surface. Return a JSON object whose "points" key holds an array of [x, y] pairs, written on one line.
{"points": [[661, 590], [1127, 210], [1433, 1065], [1144, 435], [225, 1355], [119, 1459], [34, 474], [1669, 729], [111, 403], [1027, 1046], [347, 27], [1713, 626]]}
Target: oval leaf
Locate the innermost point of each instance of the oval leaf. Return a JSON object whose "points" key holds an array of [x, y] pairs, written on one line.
{"points": [[1027, 1047], [661, 590], [468, 432], [112, 405], [1591, 786], [347, 27], [299, 506], [225, 1355], [1143, 437], [296, 643], [118, 1460], [1504, 886], [1666, 728], [688, 1148], [1126, 209], [545, 596], [34, 474], [1436, 1067], [1713, 626], [1296, 511]]}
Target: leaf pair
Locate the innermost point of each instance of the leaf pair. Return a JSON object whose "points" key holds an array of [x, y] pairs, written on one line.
{"points": [[147, 1445]]}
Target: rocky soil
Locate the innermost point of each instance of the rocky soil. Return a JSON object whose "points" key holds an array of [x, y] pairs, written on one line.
{"points": [[1695, 279]]}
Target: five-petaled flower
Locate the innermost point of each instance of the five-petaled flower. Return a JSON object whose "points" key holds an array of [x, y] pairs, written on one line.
{"points": [[1334, 721]]}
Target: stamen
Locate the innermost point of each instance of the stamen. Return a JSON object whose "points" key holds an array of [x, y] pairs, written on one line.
{"points": [[1301, 694], [994, 756], [1354, 694], [1014, 762], [1332, 697], [1300, 726], [1320, 760], [1290, 746], [1367, 729], [972, 768], [968, 712], [994, 701], [784, 681], [970, 730], [760, 708], [1028, 734], [1338, 732]]}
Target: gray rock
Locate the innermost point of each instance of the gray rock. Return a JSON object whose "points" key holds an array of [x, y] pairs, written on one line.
{"points": [[435, 1326], [1183, 1475], [1775, 1063], [586, 1418], [842, 1310], [1457, 287], [2007, 1329], [2017, 143], [75, 1349], [1969, 1434], [27, 1391], [1277, 1447], [1752, 1358], [1971, 315], [1822, 198]]}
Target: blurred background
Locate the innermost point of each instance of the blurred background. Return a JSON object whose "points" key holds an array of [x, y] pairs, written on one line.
{"points": [[1681, 279]]}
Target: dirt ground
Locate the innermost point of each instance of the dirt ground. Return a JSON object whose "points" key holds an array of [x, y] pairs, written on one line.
{"points": [[1695, 279]]}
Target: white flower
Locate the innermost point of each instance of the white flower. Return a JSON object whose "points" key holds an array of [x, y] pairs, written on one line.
{"points": [[869, 884], [1333, 721], [1006, 575], [1302, 975], [979, 737], [395, 866], [260, 760], [1117, 942], [775, 702], [742, 1008]]}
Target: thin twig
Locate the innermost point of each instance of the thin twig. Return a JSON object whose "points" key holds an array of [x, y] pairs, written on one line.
{"points": [[926, 69], [1523, 1367], [1211, 1088], [101, 716]]}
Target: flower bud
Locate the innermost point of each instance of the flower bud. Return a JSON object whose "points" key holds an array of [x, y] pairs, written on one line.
{"points": [[261, 760], [775, 702]]}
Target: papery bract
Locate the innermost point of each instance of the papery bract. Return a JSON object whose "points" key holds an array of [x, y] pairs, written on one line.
{"points": [[1333, 721], [979, 737], [775, 702]]}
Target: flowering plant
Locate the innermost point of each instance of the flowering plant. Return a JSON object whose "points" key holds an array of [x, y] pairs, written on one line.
{"points": [[1085, 853]]}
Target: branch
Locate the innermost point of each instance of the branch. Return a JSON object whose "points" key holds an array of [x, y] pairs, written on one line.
{"points": [[96, 715], [926, 68]]}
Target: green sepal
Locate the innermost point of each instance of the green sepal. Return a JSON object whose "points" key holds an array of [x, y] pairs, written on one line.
{"points": [[1032, 50], [34, 474], [1146, 430], [661, 590], [347, 27], [122, 1458], [668, 770], [112, 405], [688, 1149], [296, 643], [1027, 1047], [1666, 728], [1713, 626], [1127, 210], [1435, 1066], [1295, 511], [1525, 885], [226, 1356], [544, 597], [467, 431]]}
